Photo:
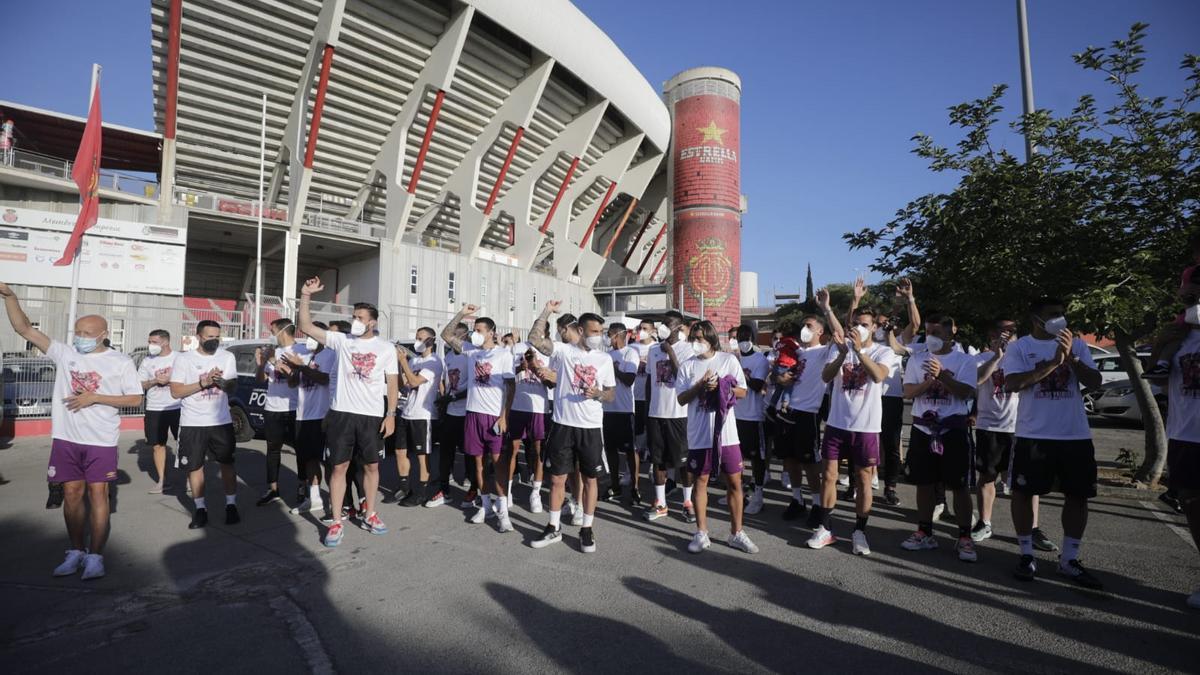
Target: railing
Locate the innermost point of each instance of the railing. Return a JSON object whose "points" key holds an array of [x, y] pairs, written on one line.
{"points": [[331, 223], [225, 204], [53, 167]]}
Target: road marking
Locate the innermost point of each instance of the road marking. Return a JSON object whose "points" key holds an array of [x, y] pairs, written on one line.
{"points": [[1171, 524]]}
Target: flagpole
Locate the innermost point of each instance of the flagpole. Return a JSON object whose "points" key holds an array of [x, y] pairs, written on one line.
{"points": [[262, 167], [71, 309]]}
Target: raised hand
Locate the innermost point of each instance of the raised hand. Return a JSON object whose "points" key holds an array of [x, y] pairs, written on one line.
{"points": [[553, 305], [5, 291], [469, 309], [823, 299], [860, 288], [311, 286], [904, 289], [839, 341], [1064, 339]]}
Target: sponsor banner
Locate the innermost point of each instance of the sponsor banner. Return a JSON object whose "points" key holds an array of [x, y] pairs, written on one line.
{"points": [[108, 227], [705, 150]]}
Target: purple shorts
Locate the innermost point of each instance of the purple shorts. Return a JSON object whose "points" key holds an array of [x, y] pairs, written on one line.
{"points": [[526, 426], [861, 448], [479, 434], [76, 461], [700, 462]]}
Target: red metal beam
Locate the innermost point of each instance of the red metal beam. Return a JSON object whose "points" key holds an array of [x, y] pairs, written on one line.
{"points": [[658, 266], [652, 247], [429, 127], [318, 106], [561, 190], [620, 226], [512, 151], [599, 212], [638, 238], [173, 67]]}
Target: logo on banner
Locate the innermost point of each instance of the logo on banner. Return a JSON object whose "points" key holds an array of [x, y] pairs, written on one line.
{"points": [[710, 272]]}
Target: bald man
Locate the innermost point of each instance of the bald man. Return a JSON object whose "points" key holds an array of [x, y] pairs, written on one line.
{"points": [[91, 385]]}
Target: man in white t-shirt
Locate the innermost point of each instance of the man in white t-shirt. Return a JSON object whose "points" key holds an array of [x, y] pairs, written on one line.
{"points": [[584, 381], [359, 417], [162, 409], [941, 384], [1054, 443], [709, 384], [279, 408], [1183, 426], [454, 400], [641, 401], [91, 384], [748, 411], [491, 385], [203, 379], [666, 425], [421, 373], [619, 412], [315, 366], [857, 368], [527, 419]]}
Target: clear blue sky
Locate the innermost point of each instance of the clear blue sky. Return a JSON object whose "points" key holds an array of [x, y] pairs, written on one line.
{"points": [[833, 91]]}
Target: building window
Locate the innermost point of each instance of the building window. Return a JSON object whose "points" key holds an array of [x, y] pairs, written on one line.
{"points": [[535, 299], [450, 286], [483, 284], [412, 280]]}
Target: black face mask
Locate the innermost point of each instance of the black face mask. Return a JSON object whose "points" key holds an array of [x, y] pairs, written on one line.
{"points": [[210, 346]]}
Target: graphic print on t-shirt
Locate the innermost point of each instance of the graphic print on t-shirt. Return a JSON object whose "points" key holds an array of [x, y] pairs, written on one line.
{"points": [[454, 375], [483, 373], [583, 377], [85, 381], [363, 363], [998, 384], [1189, 368], [936, 394], [305, 381], [1056, 385], [663, 372], [854, 378]]}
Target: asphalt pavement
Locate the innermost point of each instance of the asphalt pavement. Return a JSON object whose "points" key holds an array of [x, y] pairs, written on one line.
{"points": [[438, 594]]}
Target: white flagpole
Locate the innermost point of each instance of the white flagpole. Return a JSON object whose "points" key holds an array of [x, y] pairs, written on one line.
{"points": [[71, 309], [262, 168]]}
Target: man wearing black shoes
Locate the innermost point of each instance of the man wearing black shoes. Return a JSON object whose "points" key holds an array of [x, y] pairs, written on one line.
{"points": [[203, 379], [618, 413], [279, 409], [1054, 443], [420, 372], [666, 425]]}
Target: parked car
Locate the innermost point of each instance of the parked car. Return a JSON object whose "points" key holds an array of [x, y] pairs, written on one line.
{"points": [[1111, 371], [246, 404], [1099, 351], [28, 386], [1116, 401]]}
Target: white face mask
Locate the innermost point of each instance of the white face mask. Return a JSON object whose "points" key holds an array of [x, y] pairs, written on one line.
{"points": [[274, 340], [357, 328], [1192, 315], [1053, 326], [682, 334], [864, 333], [154, 350], [595, 342], [643, 335], [699, 346], [311, 343], [806, 335], [477, 338], [934, 343], [746, 346], [663, 332]]}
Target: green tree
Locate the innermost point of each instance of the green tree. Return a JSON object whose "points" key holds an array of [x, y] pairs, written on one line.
{"points": [[1100, 215]]}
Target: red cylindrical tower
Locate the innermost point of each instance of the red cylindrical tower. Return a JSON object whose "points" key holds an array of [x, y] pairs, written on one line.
{"points": [[705, 172]]}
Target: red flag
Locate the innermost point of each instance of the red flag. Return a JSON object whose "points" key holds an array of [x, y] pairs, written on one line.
{"points": [[86, 174]]}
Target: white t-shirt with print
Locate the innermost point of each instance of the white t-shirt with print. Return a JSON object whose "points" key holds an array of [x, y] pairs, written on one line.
{"points": [[663, 401], [808, 391], [856, 403], [1183, 391], [312, 399], [578, 370], [487, 371], [995, 409], [530, 395], [754, 367], [280, 397], [893, 384], [108, 373], [363, 366], [456, 382], [1053, 408], [625, 360], [937, 399], [701, 419], [420, 402], [207, 407], [639, 385], [158, 397]]}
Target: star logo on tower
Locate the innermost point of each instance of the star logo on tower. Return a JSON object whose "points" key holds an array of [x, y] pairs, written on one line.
{"points": [[712, 133]]}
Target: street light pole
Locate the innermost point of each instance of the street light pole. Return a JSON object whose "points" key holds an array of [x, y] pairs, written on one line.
{"points": [[1026, 72]]}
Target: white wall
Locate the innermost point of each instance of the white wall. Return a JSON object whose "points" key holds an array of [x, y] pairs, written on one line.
{"points": [[356, 281]]}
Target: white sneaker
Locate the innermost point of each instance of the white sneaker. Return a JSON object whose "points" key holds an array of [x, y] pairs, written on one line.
{"points": [[93, 566], [742, 542], [505, 524], [785, 479], [308, 506], [937, 510], [844, 480], [1193, 600], [756, 502], [72, 564], [859, 540], [479, 516], [535, 502], [700, 541], [577, 516], [821, 538]]}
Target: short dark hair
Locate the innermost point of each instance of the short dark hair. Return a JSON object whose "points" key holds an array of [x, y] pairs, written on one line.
{"points": [[708, 331], [1042, 303], [207, 323], [566, 320], [864, 311], [743, 329], [673, 315], [645, 322], [590, 317], [616, 328], [321, 325], [491, 325], [815, 317], [369, 307], [431, 331], [160, 333], [462, 327], [284, 324], [342, 326], [944, 320], [506, 335]]}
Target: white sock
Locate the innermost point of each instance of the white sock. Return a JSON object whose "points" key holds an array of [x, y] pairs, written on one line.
{"points": [[588, 518], [687, 494], [314, 493], [1070, 550], [502, 507], [230, 499], [798, 494], [537, 485], [556, 518], [510, 488], [660, 494], [200, 503]]}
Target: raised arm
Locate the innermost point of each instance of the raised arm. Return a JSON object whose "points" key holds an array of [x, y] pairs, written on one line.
{"points": [[21, 323], [412, 379], [539, 333], [835, 327], [876, 371], [988, 367], [304, 316], [904, 289], [448, 335], [860, 290]]}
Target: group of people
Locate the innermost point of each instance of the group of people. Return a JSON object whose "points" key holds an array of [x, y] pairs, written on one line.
{"points": [[581, 397]]}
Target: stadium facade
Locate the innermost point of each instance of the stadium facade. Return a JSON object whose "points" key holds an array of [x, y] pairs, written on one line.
{"points": [[419, 154]]}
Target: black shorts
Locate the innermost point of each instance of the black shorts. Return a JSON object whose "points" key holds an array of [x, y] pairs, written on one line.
{"points": [[453, 428], [618, 431], [158, 423], [353, 436], [667, 438], [413, 436], [1040, 466], [567, 445], [954, 468], [993, 451], [197, 443], [279, 427], [310, 440], [1183, 465], [800, 440], [752, 436], [641, 411]]}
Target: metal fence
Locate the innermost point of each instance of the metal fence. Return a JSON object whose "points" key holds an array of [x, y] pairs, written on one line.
{"points": [[54, 167]]}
